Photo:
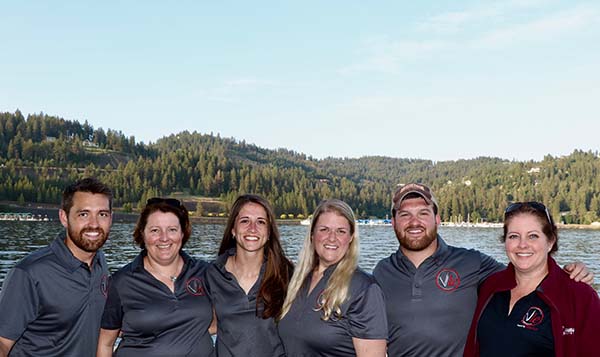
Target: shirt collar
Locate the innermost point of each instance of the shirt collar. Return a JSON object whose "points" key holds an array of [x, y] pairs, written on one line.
{"points": [[66, 257], [138, 262], [442, 250], [222, 260], [440, 253], [330, 269]]}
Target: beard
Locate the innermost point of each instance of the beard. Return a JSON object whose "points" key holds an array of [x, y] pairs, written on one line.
{"points": [[416, 244], [85, 244]]}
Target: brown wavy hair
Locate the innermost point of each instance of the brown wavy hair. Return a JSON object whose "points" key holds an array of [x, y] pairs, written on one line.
{"points": [[167, 205], [539, 211], [278, 267]]}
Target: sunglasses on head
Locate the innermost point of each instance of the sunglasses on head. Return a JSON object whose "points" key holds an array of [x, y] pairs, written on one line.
{"points": [[170, 201], [535, 205]]}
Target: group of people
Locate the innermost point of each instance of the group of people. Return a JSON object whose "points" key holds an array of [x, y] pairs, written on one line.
{"points": [[426, 299]]}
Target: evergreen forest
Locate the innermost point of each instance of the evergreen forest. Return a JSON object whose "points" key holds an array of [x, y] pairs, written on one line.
{"points": [[40, 154]]}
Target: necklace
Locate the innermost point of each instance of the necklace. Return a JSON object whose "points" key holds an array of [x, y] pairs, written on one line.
{"points": [[172, 278]]}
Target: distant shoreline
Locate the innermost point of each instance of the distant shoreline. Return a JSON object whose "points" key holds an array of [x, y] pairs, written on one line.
{"points": [[51, 211]]}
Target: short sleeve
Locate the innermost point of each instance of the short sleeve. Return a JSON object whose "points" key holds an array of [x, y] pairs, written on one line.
{"points": [[19, 302], [112, 318], [207, 275], [367, 315]]}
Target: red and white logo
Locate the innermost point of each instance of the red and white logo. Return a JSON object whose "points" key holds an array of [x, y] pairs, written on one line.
{"points": [[104, 285], [533, 317], [447, 280], [194, 287]]}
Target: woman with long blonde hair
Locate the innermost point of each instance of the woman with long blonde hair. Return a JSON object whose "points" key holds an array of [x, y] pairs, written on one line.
{"points": [[332, 307]]}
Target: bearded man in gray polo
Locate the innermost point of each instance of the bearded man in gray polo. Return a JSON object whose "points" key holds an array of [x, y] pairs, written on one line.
{"points": [[430, 287], [51, 302]]}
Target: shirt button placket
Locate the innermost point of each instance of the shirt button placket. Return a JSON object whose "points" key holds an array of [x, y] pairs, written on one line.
{"points": [[417, 284]]}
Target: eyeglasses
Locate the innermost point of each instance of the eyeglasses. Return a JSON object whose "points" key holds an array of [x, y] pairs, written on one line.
{"points": [[170, 201], [535, 205]]}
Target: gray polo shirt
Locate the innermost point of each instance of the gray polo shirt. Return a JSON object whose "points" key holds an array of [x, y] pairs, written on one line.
{"points": [[154, 320], [240, 332], [51, 303], [429, 309], [304, 333]]}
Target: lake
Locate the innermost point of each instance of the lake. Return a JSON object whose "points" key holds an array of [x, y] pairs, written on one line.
{"points": [[17, 239]]}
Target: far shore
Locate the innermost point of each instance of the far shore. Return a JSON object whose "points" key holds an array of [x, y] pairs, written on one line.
{"points": [[51, 211]]}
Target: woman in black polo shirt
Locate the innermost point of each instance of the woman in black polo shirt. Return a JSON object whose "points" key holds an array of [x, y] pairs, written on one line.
{"points": [[533, 308], [333, 308], [248, 280], [158, 302]]}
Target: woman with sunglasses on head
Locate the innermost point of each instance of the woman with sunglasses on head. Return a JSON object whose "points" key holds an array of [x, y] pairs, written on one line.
{"points": [[533, 308], [332, 307], [248, 280], [157, 303]]}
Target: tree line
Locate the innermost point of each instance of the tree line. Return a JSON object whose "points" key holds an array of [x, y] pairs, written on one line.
{"points": [[40, 154]]}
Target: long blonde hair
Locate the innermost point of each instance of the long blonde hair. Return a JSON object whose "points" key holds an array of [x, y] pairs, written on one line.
{"points": [[336, 291]]}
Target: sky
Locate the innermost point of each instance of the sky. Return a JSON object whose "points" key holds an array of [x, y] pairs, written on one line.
{"points": [[437, 80]]}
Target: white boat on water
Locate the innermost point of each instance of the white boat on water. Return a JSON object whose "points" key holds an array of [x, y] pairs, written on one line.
{"points": [[22, 217], [360, 222], [374, 222], [305, 222], [472, 224]]}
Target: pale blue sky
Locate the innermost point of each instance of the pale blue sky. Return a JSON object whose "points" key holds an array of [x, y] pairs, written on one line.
{"points": [[439, 80]]}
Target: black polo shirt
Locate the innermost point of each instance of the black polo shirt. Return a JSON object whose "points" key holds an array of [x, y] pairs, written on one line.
{"points": [[527, 331], [155, 321], [240, 332], [51, 303], [304, 333], [430, 308]]}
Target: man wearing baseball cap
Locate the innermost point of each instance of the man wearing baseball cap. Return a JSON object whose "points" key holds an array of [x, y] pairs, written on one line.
{"points": [[430, 287]]}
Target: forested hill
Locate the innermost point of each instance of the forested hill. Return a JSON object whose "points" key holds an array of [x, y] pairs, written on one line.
{"points": [[39, 154]]}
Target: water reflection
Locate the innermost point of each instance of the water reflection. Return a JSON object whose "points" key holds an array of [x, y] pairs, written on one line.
{"points": [[17, 239]]}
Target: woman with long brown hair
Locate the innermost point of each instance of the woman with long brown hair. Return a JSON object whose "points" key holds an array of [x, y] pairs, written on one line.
{"points": [[248, 281]]}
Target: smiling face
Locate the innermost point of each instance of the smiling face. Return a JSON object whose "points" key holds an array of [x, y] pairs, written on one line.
{"points": [[251, 228], [87, 222], [415, 224], [163, 237], [526, 245], [331, 238]]}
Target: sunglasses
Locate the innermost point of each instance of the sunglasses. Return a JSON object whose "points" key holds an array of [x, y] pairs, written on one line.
{"points": [[535, 205], [170, 201]]}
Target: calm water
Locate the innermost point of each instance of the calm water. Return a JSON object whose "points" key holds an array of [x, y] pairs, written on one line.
{"points": [[19, 238]]}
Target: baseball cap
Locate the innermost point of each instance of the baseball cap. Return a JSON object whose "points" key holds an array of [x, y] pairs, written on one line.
{"points": [[414, 188]]}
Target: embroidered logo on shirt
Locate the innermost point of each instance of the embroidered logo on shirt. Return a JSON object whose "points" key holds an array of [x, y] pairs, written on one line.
{"points": [[447, 280], [194, 287], [533, 317], [104, 285], [568, 331], [320, 300]]}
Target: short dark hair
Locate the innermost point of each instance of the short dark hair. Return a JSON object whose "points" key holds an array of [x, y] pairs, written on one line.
{"points": [[165, 206], [88, 184]]}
